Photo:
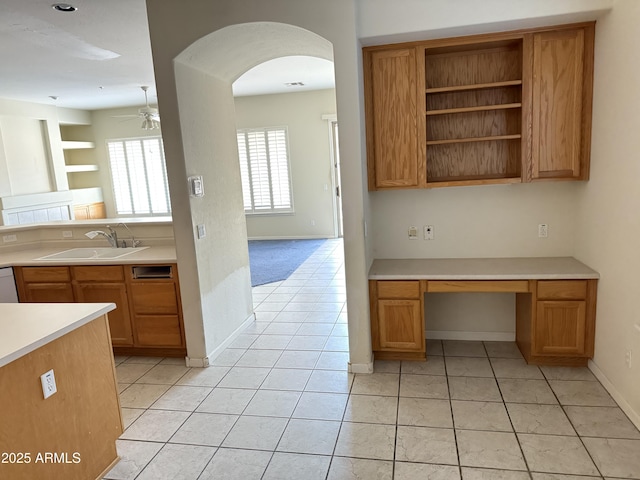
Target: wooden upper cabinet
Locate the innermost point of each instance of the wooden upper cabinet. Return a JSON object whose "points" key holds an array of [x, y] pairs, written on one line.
{"points": [[392, 118], [562, 91]]}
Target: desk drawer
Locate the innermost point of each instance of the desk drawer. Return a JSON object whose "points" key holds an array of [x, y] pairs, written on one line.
{"points": [[500, 286], [562, 289], [398, 289]]}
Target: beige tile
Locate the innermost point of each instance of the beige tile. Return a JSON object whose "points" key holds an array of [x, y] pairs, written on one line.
{"points": [[491, 474], [582, 393], [422, 471], [243, 341], [498, 450], [340, 330], [474, 388], [359, 469], [556, 454], [515, 368], [602, 422], [228, 357], [364, 440], [142, 396], [204, 429], [329, 381], [322, 317], [433, 366], [559, 476], [145, 360], [290, 317], [568, 373], [244, 377], [155, 425], [423, 386], [309, 436], [333, 361], [294, 466], [163, 374], [177, 461], [516, 390], [174, 361], [259, 358], [386, 366], [307, 342], [286, 379], [502, 350], [614, 457], [469, 415], [130, 372], [321, 406], [426, 445], [272, 403], [182, 398], [371, 409], [298, 359], [376, 384], [257, 433], [256, 328], [424, 412], [204, 377], [468, 367], [134, 456], [226, 400], [542, 419], [321, 329], [118, 359], [236, 464], [271, 342], [123, 386], [434, 347], [337, 344], [461, 348], [130, 415]]}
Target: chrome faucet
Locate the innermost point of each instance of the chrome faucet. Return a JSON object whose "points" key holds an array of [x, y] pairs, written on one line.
{"points": [[112, 238], [134, 242]]}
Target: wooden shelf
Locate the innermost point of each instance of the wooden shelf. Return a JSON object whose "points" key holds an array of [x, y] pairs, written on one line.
{"points": [[471, 180], [479, 86], [473, 139], [81, 168], [481, 108]]}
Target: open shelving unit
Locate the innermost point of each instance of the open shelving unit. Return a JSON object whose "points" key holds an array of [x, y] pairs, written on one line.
{"points": [[473, 113]]}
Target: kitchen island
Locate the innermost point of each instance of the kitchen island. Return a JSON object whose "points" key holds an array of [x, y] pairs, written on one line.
{"points": [[72, 433]]}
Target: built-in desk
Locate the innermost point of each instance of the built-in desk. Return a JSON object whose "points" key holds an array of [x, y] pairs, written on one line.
{"points": [[555, 303]]}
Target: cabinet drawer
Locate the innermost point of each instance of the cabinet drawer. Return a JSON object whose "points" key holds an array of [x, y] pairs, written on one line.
{"points": [[398, 289], [158, 330], [562, 289], [46, 274], [154, 298], [99, 274]]}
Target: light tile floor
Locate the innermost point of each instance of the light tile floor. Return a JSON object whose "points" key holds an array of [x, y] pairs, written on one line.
{"points": [[279, 404]]}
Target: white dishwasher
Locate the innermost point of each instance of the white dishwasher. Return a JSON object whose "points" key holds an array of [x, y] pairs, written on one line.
{"points": [[8, 293]]}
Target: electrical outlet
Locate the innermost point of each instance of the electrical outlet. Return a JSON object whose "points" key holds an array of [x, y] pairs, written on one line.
{"points": [[413, 233], [428, 232], [543, 230], [67, 234], [48, 381], [627, 358], [9, 238]]}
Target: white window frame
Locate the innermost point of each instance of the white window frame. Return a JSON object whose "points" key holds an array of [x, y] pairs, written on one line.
{"points": [[272, 210], [163, 174]]}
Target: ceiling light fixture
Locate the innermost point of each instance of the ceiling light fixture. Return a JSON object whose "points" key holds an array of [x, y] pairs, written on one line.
{"points": [[150, 124], [63, 7]]}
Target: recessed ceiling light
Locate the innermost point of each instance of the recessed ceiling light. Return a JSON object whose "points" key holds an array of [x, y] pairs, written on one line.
{"points": [[294, 84], [64, 7]]}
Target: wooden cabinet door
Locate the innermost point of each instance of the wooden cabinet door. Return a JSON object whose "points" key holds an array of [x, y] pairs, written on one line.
{"points": [[48, 293], [392, 134], [400, 325], [560, 328], [558, 78], [120, 318]]}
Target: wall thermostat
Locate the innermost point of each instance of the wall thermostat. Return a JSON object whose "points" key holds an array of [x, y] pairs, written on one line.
{"points": [[196, 186]]}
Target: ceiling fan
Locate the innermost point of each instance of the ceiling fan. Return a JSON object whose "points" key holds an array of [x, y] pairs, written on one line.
{"points": [[149, 115]]}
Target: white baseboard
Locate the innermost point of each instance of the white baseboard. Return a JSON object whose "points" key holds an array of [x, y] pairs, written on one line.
{"points": [[626, 408], [477, 336], [205, 362], [361, 367]]}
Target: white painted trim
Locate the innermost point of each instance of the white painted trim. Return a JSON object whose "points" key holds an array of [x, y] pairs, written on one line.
{"points": [[205, 362], [477, 336], [361, 367], [617, 396], [303, 237]]}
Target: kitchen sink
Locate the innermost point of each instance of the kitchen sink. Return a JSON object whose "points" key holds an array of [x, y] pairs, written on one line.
{"points": [[92, 253]]}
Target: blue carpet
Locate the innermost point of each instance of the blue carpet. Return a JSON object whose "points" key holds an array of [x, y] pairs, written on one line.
{"points": [[275, 260]]}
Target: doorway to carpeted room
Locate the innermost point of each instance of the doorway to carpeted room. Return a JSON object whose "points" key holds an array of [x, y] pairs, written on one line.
{"points": [[274, 260]]}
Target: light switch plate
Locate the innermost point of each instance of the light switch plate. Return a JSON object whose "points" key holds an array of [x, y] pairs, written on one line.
{"points": [[202, 231], [48, 381]]}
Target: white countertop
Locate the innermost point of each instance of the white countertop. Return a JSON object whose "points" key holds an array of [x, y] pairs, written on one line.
{"points": [[524, 268], [26, 327]]}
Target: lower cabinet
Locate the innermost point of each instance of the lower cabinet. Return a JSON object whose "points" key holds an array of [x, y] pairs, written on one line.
{"points": [[148, 315]]}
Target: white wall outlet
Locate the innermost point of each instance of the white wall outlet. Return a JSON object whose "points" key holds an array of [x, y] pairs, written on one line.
{"points": [[413, 233], [429, 233], [202, 231], [48, 381], [627, 358], [543, 230], [9, 238], [67, 234]]}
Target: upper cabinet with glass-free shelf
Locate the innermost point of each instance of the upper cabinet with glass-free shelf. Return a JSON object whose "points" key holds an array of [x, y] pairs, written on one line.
{"points": [[496, 108]]}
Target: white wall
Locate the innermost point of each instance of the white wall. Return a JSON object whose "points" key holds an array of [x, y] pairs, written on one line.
{"points": [[310, 160], [607, 237]]}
